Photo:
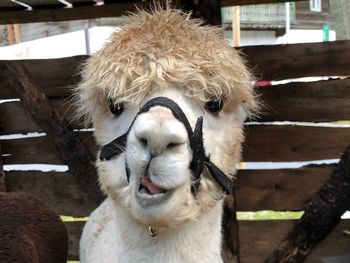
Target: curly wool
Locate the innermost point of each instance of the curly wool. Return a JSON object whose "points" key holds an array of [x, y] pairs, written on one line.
{"points": [[159, 48]]}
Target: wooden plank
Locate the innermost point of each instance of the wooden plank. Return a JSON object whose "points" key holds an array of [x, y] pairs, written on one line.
{"points": [[264, 143], [74, 230], [285, 143], [54, 77], [10, 35], [60, 191], [38, 150], [281, 190], [278, 62], [303, 101], [257, 240], [306, 101], [14, 119], [284, 61], [335, 248]]}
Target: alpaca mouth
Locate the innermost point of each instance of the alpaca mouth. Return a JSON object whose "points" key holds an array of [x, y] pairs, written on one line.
{"points": [[149, 188], [149, 194]]}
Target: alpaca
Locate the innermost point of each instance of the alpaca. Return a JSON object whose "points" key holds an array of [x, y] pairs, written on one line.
{"points": [[30, 231], [167, 98]]}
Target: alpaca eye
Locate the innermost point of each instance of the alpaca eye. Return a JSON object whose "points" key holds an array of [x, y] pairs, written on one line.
{"points": [[214, 105], [116, 109]]}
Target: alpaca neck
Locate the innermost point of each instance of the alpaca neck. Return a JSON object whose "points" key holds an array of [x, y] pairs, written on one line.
{"points": [[197, 241]]}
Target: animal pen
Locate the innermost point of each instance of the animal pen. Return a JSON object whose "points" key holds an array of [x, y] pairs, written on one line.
{"points": [[285, 132]]}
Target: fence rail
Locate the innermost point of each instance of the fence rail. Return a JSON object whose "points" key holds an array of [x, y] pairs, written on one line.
{"points": [[280, 189]]}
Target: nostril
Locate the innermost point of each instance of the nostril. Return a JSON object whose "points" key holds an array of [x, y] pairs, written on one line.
{"points": [[143, 141]]}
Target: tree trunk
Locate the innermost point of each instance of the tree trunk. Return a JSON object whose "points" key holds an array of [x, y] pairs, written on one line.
{"points": [[70, 147], [320, 217]]}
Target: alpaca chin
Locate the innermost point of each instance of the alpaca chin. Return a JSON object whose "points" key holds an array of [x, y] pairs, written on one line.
{"points": [[173, 209]]}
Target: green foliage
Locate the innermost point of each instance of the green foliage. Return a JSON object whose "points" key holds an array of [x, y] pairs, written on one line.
{"points": [[73, 219], [269, 215]]}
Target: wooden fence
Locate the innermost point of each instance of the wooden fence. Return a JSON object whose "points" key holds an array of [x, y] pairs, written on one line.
{"points": [[279, 189]]}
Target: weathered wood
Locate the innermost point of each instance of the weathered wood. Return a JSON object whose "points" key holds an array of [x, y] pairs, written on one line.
{"points": [[280, 143], [264, 143], [257, 239], [321, 215], [39, 150], [2, 174], [14, 118], [54, 77], [335, 247], [306, 101], [69, 146], [74, 233], [60, 191], [280, 190], [278, 62], [284, 61]]}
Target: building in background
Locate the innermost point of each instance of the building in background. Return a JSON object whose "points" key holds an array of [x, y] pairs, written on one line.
{"points": [[266, 24], [259, 25]]}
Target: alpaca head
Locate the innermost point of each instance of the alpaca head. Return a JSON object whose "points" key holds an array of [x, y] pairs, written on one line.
{"points": [[165, 54]]}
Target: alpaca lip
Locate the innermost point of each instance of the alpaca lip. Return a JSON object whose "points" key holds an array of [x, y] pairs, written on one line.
{"points": [[149, 195], [148, 187]]}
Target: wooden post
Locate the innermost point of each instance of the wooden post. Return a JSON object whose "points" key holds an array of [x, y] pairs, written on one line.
{"points": [[70, 147], [236, 26], [320, 217], [2, 175], [18, 37], [10, 35]]}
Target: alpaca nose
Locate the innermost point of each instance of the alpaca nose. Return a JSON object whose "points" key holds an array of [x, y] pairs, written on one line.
{"points": [[159, 131]]}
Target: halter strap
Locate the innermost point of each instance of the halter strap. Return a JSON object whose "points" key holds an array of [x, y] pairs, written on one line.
{"points": [[199, 159]]}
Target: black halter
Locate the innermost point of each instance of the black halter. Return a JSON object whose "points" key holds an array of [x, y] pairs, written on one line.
{"points": [[199, 159]]}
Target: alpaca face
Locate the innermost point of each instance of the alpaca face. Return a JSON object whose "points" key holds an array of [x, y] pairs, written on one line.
{"points": [[158, 156], [164, 53]]}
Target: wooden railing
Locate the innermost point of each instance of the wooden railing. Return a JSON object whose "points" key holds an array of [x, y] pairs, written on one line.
{"points": [[279, 189]]}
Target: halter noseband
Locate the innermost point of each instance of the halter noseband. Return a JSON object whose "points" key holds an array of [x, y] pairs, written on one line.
{"points": [[199, 159]]}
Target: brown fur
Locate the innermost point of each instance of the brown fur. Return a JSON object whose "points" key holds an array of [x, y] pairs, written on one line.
{"points": [[30, 232]]}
